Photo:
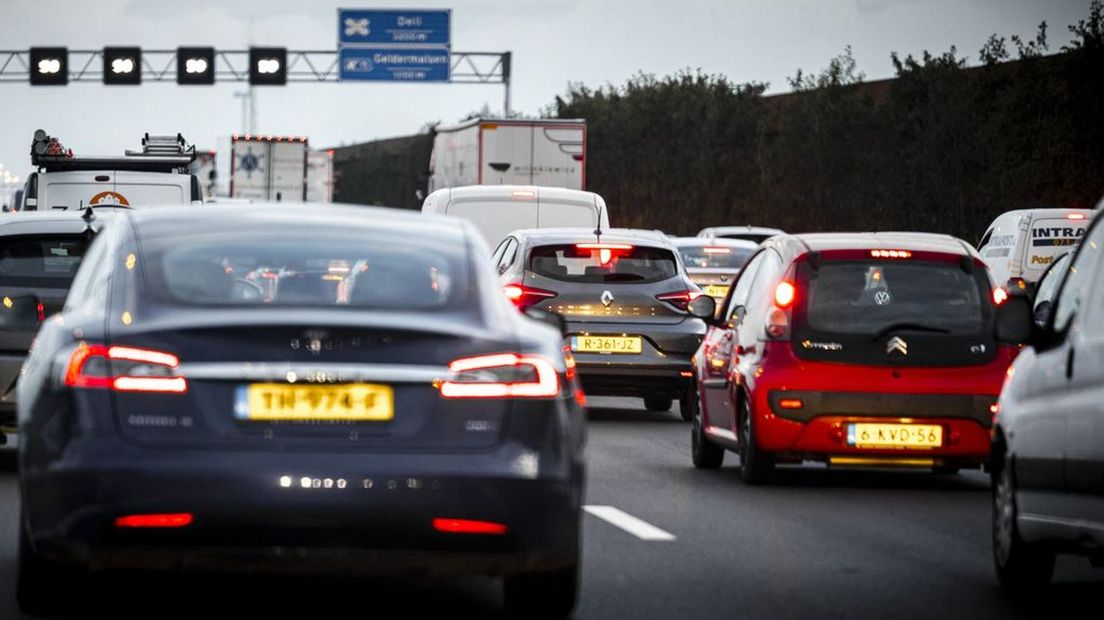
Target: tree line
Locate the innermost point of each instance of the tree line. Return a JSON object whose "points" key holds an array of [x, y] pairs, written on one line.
{"points": [[942, 147]]}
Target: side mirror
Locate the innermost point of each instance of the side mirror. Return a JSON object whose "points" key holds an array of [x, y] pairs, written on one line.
{"points": [[548, 318], [737, 315], [1042, 313], [19, 313], [703, 307], [1014, 322]]}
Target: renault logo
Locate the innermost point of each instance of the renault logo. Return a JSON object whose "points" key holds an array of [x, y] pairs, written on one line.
{"points": [[896, 345], [607, 298]]}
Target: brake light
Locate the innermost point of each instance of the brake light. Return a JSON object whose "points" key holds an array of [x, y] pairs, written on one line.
{"points": [[784, 294], [890, 254], [791, 403], [524, 296], [179, 519], [680, 299], [502, 375], [523, 193], [606, 251], [1075, 216], [999, 296], [717, 250], [468, 526], [124, 369]]}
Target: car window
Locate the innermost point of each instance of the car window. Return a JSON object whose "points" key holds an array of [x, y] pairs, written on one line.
{"points": [[715, 257], [761, 296], [1073, 290], [496, 257], [984, 240], [605, 263], [510, 254], [277, 267], [1048, 286], [45, 261], [743, 285]]}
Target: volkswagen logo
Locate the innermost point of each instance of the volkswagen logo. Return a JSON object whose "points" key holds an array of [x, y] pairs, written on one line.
{"points": [[607, 298], [883, 298], [896, 345]]}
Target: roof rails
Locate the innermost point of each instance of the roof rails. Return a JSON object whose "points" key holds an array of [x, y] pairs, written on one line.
{"points": [[158, 154]]}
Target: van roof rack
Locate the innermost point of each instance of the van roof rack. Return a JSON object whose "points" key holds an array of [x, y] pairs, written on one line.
{"points": [[158, 154]]}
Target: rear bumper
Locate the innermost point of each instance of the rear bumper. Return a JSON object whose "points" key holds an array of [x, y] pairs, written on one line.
{"points": [[820, 426], [666, 351], [305, 512]]}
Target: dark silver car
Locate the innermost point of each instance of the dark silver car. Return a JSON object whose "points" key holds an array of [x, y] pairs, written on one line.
{"points": [[39, 254], [630, 308], [713, 264], [1048, 434]]}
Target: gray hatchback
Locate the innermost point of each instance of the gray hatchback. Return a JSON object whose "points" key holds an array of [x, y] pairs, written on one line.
{"points": [[632, 314]]}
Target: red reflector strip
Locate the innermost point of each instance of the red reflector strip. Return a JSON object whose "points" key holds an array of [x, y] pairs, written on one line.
{"points": [[178, 519], [466, 526]]}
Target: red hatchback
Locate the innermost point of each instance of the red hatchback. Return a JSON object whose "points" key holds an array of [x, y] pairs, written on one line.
{"points": [[872, 350]]}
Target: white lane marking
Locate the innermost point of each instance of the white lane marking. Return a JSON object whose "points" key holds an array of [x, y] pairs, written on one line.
{"points": [[637, 527]]}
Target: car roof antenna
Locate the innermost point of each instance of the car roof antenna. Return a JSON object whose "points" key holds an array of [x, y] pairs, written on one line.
{"points": [[598, 222], [89, 214]]}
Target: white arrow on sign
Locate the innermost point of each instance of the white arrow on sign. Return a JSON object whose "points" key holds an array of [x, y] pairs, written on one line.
{"points": [[357, 26]]}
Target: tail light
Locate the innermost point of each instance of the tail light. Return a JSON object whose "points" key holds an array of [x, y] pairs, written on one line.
{"points": [[784, 294], [1016, 284], [680, 299], [468, 526], [606, 251], [178, 519], [502, 375], [778, 317], [524, 296], [890, 254], [1075, 216], [124, 369], [999, 296]]}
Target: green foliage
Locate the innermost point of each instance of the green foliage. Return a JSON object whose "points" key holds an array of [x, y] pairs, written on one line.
{"points": [[944, 147]]}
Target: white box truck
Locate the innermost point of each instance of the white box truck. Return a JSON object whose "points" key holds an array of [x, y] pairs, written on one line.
{"points": [[544, 152], [320, 176], [271, 168]]}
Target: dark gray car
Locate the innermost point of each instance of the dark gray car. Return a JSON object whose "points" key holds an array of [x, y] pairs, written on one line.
{"points": [[39, 254], [626, 299]]}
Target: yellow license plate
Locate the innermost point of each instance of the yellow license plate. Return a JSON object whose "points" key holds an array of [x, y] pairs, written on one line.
{"points": [[608, 344], [895, 435], [357, 402], [716, 290]]}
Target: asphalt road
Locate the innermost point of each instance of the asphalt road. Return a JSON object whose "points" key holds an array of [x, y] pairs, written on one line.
{"points": [[815, 544]]}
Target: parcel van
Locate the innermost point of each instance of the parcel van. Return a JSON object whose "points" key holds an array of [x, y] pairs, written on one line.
{"points": [[1019, 245], [497, 210]]}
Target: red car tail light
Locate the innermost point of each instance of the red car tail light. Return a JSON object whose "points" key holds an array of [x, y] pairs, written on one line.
{"points": [[524, 296], [502, 375], [784, 294], [999, 296], [124, 369], [468, 526], [178, 519], [680, 299]]}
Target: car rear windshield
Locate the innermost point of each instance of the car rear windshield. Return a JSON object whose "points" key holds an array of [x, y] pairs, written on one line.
{"points": [[321, 268], [40, 261], [715, 257], [606, 263], [876, 297]]}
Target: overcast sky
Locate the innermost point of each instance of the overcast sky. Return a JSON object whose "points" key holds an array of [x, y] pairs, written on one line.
{"points": [[553, 42]]}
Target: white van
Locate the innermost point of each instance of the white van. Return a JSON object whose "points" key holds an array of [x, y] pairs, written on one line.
{"points": [[496, 210], [156, 175], [1020, 245]]}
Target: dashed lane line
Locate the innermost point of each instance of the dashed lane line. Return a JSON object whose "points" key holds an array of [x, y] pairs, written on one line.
{"points": [[633, 525]]}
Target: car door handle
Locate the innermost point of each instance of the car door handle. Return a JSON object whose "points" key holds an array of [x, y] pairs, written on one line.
{"points": [[1069, 363]]}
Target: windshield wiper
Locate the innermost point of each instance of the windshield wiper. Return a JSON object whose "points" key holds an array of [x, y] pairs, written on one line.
{"points": [[916, 327]]}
